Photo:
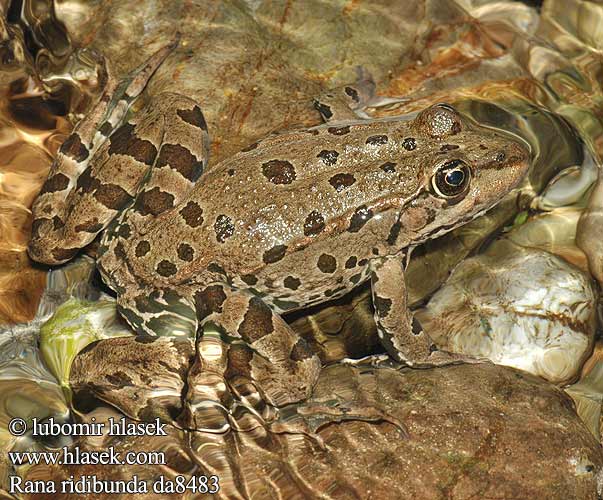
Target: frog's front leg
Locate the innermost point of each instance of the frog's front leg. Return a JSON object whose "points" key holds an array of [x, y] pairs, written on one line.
{"points": [[404, 339], [264, 349], [348, 102]]}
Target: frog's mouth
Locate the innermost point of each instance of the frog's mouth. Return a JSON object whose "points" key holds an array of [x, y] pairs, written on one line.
{"points": [[446, 228]]}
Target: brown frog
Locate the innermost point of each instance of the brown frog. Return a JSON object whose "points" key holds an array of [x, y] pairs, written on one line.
{"points": [[293, 220]]}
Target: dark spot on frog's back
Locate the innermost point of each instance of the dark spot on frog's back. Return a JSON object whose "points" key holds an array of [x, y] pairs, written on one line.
{"points": [[106, 129], [142, 248], [57, 182], [351, 262], [181, 160], [377, 140], [86, 182], [166, 268], [409, 144], [193, 117], [388, 167], [342, 181], [339, 130], [257, 321], [394, 232], [275, 254], [216, 268], [314, 223], [328, 157], [360, 217], [74, 148], [224, 228], [124, 231], [112, 196], [124, 142], [153, 202], [448, 147], [291, 282], [279, 171], [249, 279], [382, 305], [192, 214], [185, 252], [327, 263]]}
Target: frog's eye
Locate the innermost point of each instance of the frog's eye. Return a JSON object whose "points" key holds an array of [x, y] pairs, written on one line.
{"points": [[451, 179]]}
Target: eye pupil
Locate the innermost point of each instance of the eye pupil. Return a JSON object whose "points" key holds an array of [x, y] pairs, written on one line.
{"points": [[452, 179], [455, 177]]}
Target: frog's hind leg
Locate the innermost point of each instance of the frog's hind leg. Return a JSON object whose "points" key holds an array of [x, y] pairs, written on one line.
{"points": [[97, 170], [263, 350], [74, 204], [400, 335], [348, 102], [162, 312], [179, 132]]}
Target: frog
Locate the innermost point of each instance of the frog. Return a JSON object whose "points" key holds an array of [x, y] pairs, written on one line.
{"points": [[295, 219]]}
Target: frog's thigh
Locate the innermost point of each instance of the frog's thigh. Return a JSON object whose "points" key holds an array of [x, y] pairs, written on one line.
{"points": [[176, 131], [280, 362], [182, 152], [403, 338]]}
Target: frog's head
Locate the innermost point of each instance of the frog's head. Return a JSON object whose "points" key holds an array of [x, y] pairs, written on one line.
{"points": [[467, 169]]}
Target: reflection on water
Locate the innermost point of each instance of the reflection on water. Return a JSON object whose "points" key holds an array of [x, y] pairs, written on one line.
{"points": [[533, 73], [30, 133]]}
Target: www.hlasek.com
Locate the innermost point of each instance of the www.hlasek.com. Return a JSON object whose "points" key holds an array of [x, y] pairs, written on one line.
{"points": [[76, 456]]}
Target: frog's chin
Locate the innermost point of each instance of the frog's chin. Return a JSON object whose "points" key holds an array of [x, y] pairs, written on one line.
{"points": [[446, 229]]}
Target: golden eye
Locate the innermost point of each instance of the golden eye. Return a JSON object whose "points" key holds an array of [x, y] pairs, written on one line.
{"points": [[452, 179]]}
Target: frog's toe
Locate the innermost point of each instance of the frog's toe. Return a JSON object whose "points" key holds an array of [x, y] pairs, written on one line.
{"points": [[366, 96], [163, 313], [445, 358], [311, 416]]}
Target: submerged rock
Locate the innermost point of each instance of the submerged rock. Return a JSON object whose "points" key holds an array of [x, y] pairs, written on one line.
{"points": [[466, 431], [518, 307]]}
